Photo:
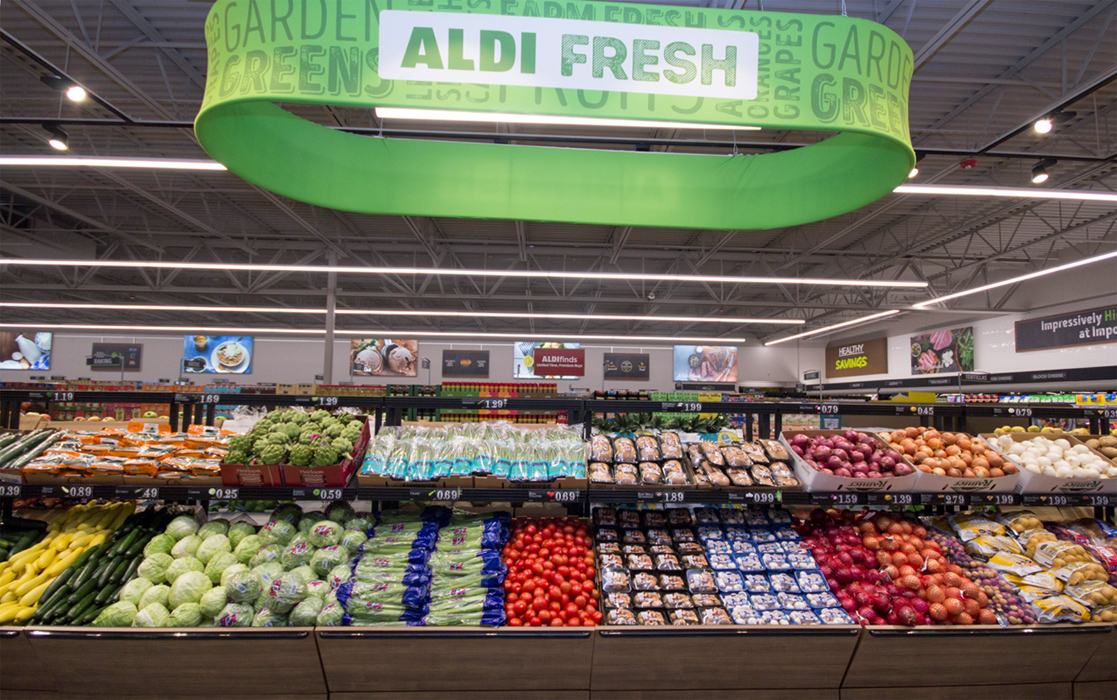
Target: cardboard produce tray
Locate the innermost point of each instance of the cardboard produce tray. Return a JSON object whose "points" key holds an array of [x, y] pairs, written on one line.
{"points": [[107, 662], [933, 483], [814, 480], [417, 659], [1032, 483]]}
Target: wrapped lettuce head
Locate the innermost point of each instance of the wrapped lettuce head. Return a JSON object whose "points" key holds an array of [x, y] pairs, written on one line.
{"points": [[330, 616], [324, 533], [118, 614], [309, 518], [352, 539], [188, 588], [216, 566], [338, 575], [217, 526], [277, 532], [339, 512], [268, 572], [229, 571], [212, 546], [132, 591], [269, 618], [238, 531], [212, 602], [235, 615], [297, 552], [305, 613], [327, 558], [179, 567], [154, 568], [271, 552], [154, 615], [181, 526], [186, 615], [248, 548], [160, 544], [243, 587], [362, 522], [186, 547], [287, 511], [317, 589], [288, 590], [305, 573], [156, 594]]}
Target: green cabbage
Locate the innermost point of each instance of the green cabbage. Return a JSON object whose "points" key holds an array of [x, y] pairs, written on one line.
{"points": [[156, 594], [186, 547], [179, 567], [216, 566], [269, 618], [317, 589], [211, 546], [160, 544], [117, 615], [248, 548], [338, 575], [235, 615], [229, 571], [238, 531], [154, 615], [305, 613], [287, 511], [327, 558], [271, 552], [297, 552], [188, 588], [154, 568], [132, 591], [277, 532], [181, 526], [243, 587], [212, 602], [324, 533], [217, 526], [186, 615]]}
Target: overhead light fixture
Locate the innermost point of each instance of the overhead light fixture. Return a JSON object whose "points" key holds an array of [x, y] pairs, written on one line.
{"points": [[1046, 123], [181, 329], [89, 162], [440, 115], [1039, 170], [455, 272], [834, 327], [395, 312], [1014, 280], [59, 139], [1018, 192], [915, 168], [73, 91]]}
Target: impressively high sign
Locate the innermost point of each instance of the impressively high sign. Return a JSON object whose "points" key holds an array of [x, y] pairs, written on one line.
{"points": [[570, 60], [1092, 327]]}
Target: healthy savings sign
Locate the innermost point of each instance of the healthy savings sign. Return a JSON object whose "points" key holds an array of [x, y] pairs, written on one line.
{"points": [[569, 60]]}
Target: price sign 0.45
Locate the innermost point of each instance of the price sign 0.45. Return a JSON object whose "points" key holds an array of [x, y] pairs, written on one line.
{"points": [[924, 410]]}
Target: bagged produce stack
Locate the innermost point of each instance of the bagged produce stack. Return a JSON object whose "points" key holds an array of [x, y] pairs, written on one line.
{"points": [[497, 449], [389, 579], [467, 572]]}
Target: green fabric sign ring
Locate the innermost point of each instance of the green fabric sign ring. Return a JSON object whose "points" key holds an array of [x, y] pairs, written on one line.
{"points": [[568, 59]]}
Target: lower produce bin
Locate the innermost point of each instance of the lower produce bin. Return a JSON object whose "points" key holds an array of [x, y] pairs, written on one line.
{"points": [[178, 663], [1098, 678], [20, 667], [658, 661], [979, 655], [487, 660], [1027, 691]]}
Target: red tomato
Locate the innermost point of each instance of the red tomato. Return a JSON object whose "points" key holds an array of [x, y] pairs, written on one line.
{"points": [[544, 552], [515, 622], [580, 541], [571, 609], [591, 572], [555, 606], [517, 587], [535, 622], [528, 586], [575, 589], [564, 599], [564, 586], [580, 601], [545, 616], [537, 568], [574, 622], [511, 597], [538, 604], [554, 593], [557, 622], [568, 529], [530, 529], [548, 565], [592, 602], [596, 617], [564, 570], [519, 607]]}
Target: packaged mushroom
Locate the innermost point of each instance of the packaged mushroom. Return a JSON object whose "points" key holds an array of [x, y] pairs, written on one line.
{"points": [[775, 450], [600, 473], [755, 452], [735, 456], [670, 446], [673, 473], [762, 475], [624, 451], [601, 450], [651, 473], [713, 453], [739, 477], [647, 449]]}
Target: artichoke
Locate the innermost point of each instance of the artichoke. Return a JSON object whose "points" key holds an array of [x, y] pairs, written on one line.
{"points": [[319, 415], [301, 455], [300, 418], [325, 455], [240, 443], [273, 454], [341, 445], [290, 416], [308, 436], [346, 418], [334, 430], [278, 438], [236, 457], [352, 432], [292, 430]]}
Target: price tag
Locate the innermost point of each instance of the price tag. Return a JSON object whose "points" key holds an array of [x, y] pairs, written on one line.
{"points": [[1098, 501], [1058, 500], [225, 494], [564, 495], [1002, 499], [62, 396], [925, 410], [902, 499], [953, 499], [209, 398], [446, 494], [1022, 411], [10, 490], [329, 494], [845, 499], [672, 496], [327, 400], [144, 492], [763, 497], [78, 491], [494, 404], [1110, 413], [305, 399], [828, 408]]}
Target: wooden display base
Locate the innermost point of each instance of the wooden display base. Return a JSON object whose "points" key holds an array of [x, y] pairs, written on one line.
{"points": [[1027, 691], [20, 667]]}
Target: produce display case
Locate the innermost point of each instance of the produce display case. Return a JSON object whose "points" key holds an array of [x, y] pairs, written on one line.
{"points": [[814, 480], [1030, 482]]}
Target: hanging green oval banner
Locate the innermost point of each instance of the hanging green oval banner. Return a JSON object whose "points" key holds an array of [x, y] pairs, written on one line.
{"points": [[571, 60]]}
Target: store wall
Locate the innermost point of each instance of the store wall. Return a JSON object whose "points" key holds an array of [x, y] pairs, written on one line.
{"points": [[294, 361]]}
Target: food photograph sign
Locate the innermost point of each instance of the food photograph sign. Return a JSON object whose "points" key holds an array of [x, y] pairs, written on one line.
{"points": [[381, 357], [943, 351], [221, 354]]}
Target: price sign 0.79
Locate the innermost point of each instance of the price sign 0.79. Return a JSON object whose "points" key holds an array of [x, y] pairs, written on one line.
{"points": [[828, 409]]}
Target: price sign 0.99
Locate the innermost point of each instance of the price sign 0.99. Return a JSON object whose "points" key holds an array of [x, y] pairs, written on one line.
{"points": [[763, 497]]}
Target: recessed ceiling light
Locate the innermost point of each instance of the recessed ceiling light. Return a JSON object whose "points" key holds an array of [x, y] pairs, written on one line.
{"points": [[1043, 126], [833, 327], [76, 93], [441, 115], [90, 162], [1019, 192]]}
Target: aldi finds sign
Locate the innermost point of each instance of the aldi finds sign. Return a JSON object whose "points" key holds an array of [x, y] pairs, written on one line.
{"points": [[857, 359], [552, 362], [1092, 327]]}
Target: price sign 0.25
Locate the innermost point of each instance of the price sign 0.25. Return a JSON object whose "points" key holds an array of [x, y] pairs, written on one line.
{"points": [[225, 494]]}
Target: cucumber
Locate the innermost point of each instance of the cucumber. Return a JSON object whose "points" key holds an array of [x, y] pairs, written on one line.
{"points": [[124, 542], [59, 584], [87, 567], [8, 439], [138, 546], [17, 446], [81, 607], [101, 576], [107, 595], [114, 572], [79, 594], [130, 572], [89, 616]]}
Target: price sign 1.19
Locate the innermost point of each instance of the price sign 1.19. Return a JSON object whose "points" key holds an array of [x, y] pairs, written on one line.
{"points": [[62, 396]]}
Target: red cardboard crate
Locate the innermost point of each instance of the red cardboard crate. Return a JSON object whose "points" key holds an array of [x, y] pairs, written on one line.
{"points": [[251, 475]]}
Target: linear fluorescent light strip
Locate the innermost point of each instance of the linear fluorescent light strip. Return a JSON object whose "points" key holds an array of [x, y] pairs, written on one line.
{"points": [[833, 327], [1024, 192], [507, 118], [1014, 280], [453, 272], [397, 312], [89, 162], [374, 333]]}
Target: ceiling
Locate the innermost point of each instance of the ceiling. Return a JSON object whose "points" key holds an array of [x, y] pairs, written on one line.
{"points": [[984, 71]]}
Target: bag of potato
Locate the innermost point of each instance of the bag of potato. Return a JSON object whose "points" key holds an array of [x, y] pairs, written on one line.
{"points": [[1106, 556], [1092, 594], [970, 525], [1021, 523], [1060, 608], [1008, 563], [1040, 581], [1078, 572], [1057, 554], [1106, 613], [1037, 538], [989, 545]]}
